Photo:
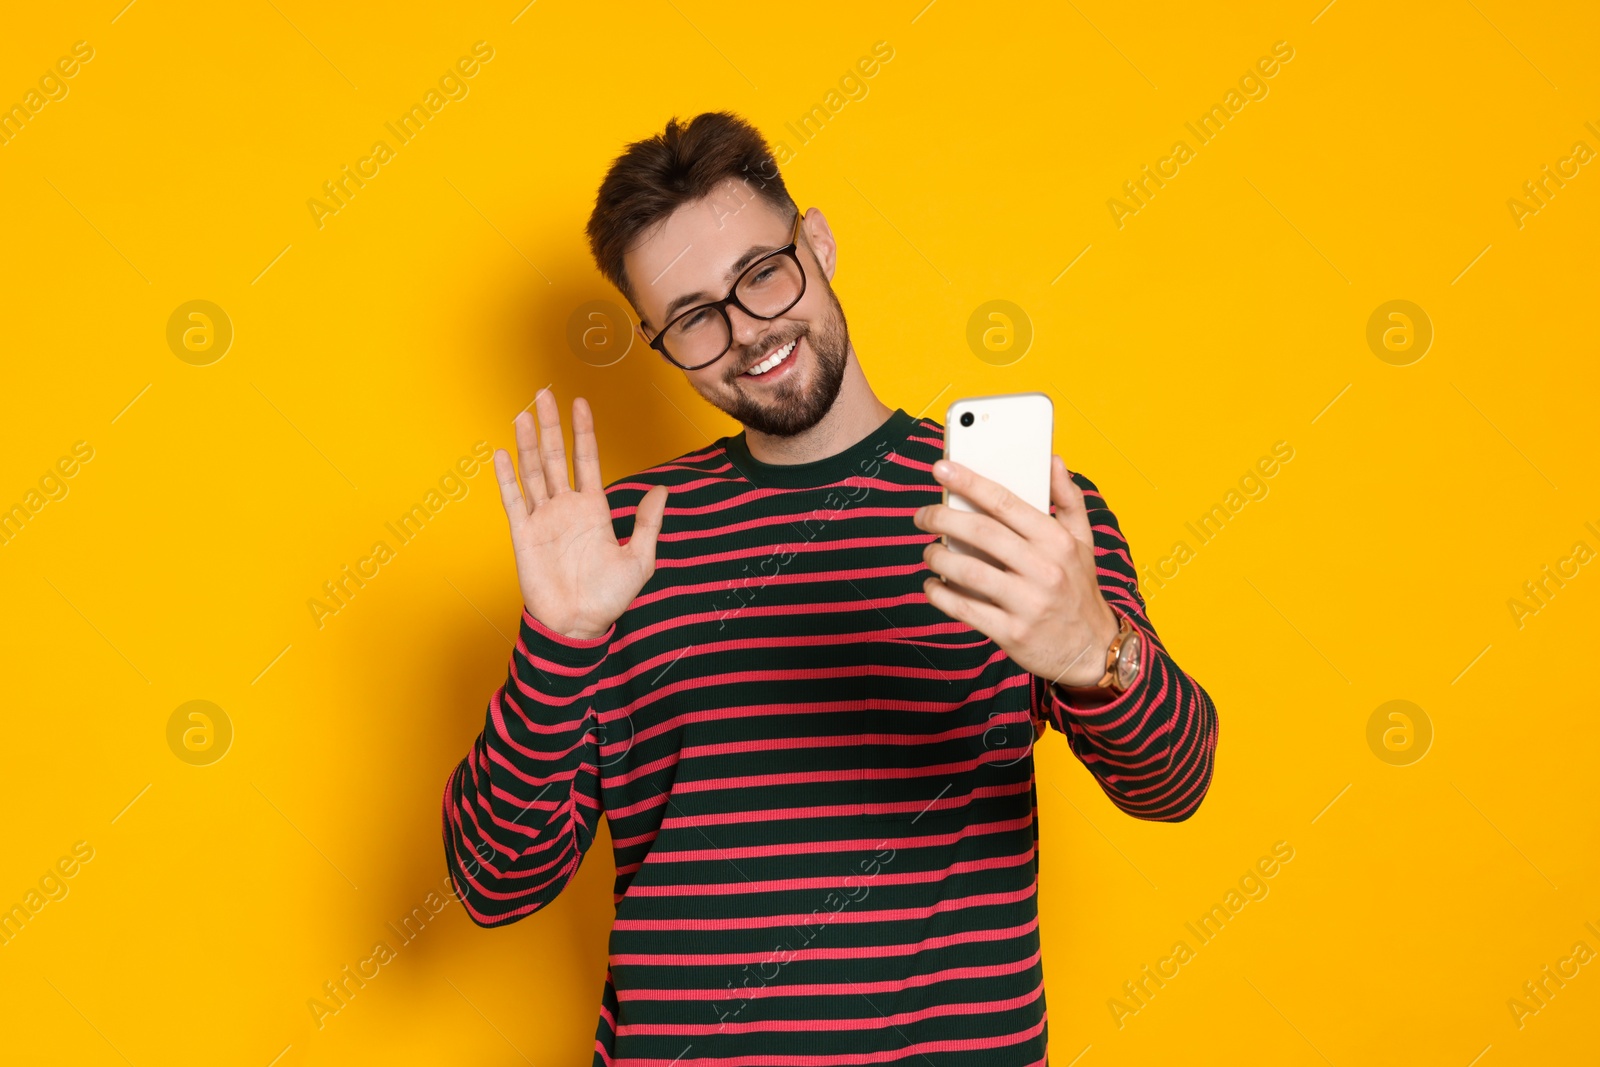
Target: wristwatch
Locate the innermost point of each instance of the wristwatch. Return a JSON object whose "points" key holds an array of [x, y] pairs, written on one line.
{"points": [[1122, 658]]}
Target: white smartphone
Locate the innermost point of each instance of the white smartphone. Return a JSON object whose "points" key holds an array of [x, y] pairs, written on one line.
{"points": [[1007, 439]]}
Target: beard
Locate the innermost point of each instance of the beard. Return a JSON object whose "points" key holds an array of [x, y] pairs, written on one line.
{"points": [[793, 408]]}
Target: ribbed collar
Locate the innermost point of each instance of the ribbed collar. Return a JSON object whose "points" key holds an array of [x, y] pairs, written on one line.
{"points": [[857, 459]]}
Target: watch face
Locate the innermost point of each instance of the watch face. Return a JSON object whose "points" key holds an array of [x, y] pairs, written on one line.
{"points": [[1128, 660]]}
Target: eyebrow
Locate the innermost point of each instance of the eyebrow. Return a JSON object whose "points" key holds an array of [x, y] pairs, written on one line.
{"points": [[701, 297]]}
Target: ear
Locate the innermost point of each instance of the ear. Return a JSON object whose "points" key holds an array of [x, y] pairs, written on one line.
{"points": [[819, 238]]}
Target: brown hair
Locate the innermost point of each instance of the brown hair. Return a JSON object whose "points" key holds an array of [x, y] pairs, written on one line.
{"points": [[656, 176]]}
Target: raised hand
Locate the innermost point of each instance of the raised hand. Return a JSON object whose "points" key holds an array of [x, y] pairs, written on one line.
{"points": [[576, 579]]}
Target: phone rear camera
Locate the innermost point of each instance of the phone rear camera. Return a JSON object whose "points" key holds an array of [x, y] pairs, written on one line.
{"points": [[966, 418]]}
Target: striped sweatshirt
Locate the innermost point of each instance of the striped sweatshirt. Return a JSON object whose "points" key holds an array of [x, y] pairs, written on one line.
{"points": [[819, 787]]}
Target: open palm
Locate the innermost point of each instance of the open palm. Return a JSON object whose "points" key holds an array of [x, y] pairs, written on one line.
{"points": [[576, 578]]}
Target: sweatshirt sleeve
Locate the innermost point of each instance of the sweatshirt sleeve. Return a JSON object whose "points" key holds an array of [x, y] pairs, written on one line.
{"points": [[1152, 747], [521, 809]]}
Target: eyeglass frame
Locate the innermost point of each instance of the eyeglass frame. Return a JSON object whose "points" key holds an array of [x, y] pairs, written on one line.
{"points": [[721, 306]]}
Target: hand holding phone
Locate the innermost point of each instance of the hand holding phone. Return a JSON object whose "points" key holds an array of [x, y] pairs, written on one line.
{"points": [[1003, 446]]}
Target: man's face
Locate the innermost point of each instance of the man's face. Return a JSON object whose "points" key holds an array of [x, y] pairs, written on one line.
{"points": [[696, 256]]}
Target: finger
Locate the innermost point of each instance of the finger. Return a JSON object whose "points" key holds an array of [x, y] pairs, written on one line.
{"points": [[510, 494], [585, 448], [998, 586], [552, 445], [1071, 512], [985, 618], [528, 461], [976, 528], [991, 497], [647, 524]]}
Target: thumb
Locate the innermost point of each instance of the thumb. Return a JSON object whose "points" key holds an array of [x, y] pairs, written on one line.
{"points": [[647, 524], [1071, 511]]}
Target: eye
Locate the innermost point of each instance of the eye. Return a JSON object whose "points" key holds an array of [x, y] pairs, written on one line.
{"points": [[764, 274], [694, 320]]}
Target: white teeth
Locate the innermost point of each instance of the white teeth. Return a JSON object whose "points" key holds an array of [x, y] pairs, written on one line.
{"points": [[773, 360]]}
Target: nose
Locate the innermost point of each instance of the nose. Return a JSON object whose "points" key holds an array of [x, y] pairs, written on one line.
{"points": [[744, 328]]}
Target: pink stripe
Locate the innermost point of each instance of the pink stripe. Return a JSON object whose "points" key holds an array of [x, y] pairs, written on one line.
{"points": [[834, 811], [842, 512], [818, 989], [927, 944], [844, 544], [820, 811], [741, 501], [816, 708], [848, 774], [773, 922], [827, 608], [684, 757], [779, 885], [743, 498], [873, 1022], [853, 1059], [712, 478], [698, 589], [728, 714], [771, 744], [804, 848]]}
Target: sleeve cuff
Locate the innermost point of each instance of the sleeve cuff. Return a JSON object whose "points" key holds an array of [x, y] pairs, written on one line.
{"points": [[540, 640], [1075, 703]]}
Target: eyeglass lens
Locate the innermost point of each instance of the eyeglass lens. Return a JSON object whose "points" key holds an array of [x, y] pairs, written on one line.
{"points": [[768, 289]]}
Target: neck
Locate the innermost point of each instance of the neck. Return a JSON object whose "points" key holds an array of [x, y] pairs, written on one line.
{"points": [[856, 412]]}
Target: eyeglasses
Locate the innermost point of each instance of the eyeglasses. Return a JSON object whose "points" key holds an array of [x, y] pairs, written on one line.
{"points": [[768, 287]]}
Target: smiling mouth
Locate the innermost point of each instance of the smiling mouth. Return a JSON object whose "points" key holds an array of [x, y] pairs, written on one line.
{"points": [[773, 359]]}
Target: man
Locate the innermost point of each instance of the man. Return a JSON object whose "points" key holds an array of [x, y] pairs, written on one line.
{"points": [[808, 723]]}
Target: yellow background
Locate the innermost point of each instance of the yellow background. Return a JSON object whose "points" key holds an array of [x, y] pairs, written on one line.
{"points": [[372, 353]]}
